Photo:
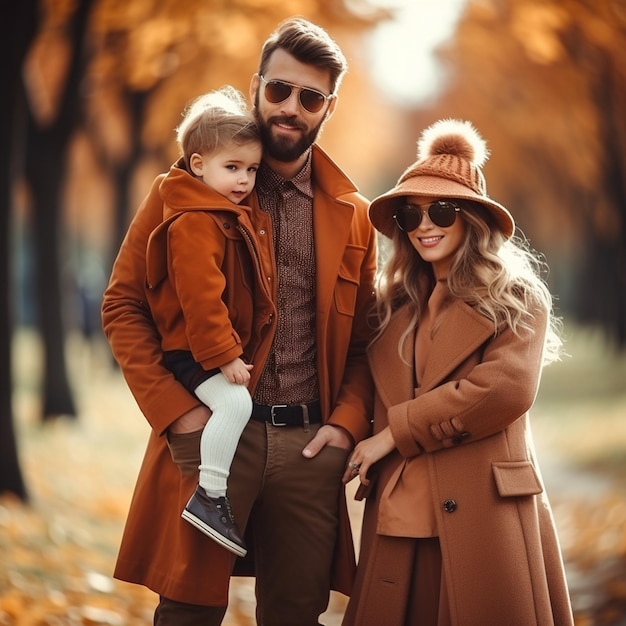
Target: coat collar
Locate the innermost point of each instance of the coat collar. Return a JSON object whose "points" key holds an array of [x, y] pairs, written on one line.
{"points": [[328, 176], [180, 192], [461, 332]]}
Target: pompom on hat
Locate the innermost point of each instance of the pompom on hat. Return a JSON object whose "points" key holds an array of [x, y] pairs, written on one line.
{"points": [[450, 154]]}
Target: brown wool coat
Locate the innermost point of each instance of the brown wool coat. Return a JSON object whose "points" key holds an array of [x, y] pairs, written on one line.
{"points": [[159, 549], [500, 552]]}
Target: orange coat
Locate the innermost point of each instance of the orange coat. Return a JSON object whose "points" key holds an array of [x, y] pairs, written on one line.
{"points": [[159, 549], [206, 289], [500, 553]]}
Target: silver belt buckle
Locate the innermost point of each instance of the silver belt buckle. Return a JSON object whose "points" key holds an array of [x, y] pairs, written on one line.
{"points": [[273, 415], [305, 417]]}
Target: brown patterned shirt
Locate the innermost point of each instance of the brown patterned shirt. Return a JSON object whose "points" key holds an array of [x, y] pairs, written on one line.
{"points": [[290, 374]]}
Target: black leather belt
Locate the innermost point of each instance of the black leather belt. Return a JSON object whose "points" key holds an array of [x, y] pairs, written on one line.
{"points": [[288, 414]]}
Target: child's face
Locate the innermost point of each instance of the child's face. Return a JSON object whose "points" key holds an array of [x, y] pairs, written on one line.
{"points": [[230, 171], [436, 244]]}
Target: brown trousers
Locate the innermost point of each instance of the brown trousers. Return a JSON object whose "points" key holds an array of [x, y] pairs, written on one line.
{"points": [[289, 504], [172, 613]]}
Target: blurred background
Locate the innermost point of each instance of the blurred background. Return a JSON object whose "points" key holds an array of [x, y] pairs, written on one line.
{"points": [[91, 93]]}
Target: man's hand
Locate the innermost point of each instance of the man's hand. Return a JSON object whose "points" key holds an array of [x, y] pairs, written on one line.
{"points": [[328, 435], [192, 420]]}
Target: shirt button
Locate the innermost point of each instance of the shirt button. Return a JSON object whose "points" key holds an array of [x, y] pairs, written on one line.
{"points": [[449, 506]]}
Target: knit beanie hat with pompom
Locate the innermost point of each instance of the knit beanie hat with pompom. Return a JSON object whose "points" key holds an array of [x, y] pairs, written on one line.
{"points": [[450, 154]]}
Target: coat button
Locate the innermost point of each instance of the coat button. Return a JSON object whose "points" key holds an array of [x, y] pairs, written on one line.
{"points": [[449, 506], [226, 225], [458, 439]]}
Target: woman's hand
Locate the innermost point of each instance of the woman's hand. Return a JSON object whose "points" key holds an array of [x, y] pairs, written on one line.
{"points": [[366, 453]]}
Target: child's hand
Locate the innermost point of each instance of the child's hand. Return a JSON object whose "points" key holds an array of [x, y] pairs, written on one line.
{"points": [[237, 371]]}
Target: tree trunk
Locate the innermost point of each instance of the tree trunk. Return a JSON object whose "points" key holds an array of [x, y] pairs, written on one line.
{"points": [[17, 29], [46, 165], [603, 297], [45, 174], [123, 171]]}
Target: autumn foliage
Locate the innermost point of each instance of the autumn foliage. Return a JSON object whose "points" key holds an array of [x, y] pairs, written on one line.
{"points": [[92, 90]]}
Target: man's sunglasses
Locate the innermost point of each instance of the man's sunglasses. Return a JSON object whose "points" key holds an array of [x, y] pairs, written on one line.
{"points": [[441, 213], [279, 90]]}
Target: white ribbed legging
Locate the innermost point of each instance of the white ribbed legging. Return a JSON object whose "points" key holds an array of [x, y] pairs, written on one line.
{"points": [[231, 407]]}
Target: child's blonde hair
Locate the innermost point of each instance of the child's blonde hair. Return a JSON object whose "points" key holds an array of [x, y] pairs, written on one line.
{"points": [[214, 120]]}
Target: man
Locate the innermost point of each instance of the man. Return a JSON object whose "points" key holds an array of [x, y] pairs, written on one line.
{"points": [[315, 247]]}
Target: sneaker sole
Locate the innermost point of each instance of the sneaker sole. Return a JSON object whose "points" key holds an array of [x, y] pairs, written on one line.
{"points": [[213, 534]]}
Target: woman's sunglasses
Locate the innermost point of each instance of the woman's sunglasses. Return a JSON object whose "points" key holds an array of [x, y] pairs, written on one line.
{"points": [[279, 90], [441, 213]]}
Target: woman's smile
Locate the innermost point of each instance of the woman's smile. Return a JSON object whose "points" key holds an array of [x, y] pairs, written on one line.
{"points": [[430, 241]]}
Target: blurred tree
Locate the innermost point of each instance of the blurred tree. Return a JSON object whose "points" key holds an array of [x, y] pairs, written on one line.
{"points": [[149, 58], [543, 81], [595, 41], [54, 71], [18, 22], [119, 74]]}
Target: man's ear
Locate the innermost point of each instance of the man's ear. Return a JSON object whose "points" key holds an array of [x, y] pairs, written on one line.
{"points": [[255, 81], [196, 164], [332, 106]]}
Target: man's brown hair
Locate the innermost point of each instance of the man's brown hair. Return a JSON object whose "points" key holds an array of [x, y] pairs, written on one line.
{"points": [[309, 44]]}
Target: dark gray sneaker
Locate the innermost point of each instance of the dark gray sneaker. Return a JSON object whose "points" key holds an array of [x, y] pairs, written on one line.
{"points": [[213, 517]]}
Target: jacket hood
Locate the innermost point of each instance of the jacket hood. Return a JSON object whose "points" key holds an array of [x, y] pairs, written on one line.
{"points": [[180, 191]]}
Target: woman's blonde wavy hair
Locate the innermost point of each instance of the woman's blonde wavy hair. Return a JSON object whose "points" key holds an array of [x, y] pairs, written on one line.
{"points": [[499, 278]]}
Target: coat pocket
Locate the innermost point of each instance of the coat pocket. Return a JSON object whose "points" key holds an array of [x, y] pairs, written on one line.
{"points": [[516, 478]]}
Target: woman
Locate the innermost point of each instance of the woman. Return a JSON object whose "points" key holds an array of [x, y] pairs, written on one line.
{"points": [[457, 528]]}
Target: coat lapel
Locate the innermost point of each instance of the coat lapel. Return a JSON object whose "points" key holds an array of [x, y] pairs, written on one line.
{"points": [[332, 225], [461, 332], [394, 374]]}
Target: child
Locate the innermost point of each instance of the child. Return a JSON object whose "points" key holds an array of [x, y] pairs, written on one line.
{"points": [[457, 527], [201, 344]]}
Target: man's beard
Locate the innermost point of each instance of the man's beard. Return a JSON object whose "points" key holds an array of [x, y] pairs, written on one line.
{"points": [[282, 148]]}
